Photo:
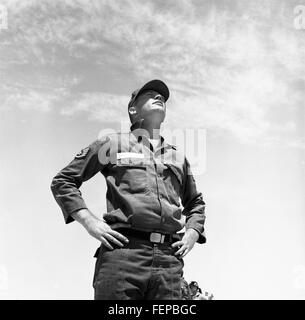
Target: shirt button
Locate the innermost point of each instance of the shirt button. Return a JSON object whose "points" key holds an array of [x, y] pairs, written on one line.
{"points": [[163, 220]]}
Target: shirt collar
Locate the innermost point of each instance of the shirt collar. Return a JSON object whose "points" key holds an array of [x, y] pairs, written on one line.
{"points": [[140, 136]]}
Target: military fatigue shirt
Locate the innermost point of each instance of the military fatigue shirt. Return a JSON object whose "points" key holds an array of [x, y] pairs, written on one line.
{"points": [[145, 187]]}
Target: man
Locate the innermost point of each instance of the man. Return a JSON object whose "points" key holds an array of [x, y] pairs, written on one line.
{"points": [[141, 254]]}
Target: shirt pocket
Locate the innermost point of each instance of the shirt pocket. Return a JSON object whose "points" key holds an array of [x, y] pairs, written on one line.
{"points": [[172, 178], [131, 176]]}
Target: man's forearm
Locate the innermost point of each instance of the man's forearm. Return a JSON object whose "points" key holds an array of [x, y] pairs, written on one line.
{"points": [[84, 217], [99, 229], [193, 233]]}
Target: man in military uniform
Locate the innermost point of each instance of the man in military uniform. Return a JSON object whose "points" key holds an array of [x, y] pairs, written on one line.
{"points": [[141, 254]]}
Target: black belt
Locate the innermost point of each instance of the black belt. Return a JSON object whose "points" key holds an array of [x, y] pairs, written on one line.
{"points": [[155, 237]]}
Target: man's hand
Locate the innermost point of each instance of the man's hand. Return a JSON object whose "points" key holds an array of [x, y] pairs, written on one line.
{"points": [[99, 229], [186, 244]]}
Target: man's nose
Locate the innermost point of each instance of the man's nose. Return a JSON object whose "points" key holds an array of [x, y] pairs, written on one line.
{"points": [[159, 97]]}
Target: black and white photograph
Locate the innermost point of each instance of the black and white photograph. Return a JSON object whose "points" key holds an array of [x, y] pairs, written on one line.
{"points": [[152, 150]]}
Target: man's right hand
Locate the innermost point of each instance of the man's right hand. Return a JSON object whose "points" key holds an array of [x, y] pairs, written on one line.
{"points": [[99, 229]]}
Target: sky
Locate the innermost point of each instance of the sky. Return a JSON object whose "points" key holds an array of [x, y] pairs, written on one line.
{"points": [[234, 68]]}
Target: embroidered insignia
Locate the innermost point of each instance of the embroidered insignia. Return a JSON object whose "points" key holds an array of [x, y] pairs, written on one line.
{"points": [[124, 155], [82, 154], [130, 158]]}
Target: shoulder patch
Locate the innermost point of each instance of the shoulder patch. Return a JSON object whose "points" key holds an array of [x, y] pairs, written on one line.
{"points": [[82, 154]]}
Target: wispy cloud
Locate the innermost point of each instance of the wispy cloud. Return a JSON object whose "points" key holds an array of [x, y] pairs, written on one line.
{"points": [[235, 68], [98, 106], [27, 100]]}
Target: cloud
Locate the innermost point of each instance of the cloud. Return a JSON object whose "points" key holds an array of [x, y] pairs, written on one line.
{"points": [[99, 106], [29, 100], [237, 67]]}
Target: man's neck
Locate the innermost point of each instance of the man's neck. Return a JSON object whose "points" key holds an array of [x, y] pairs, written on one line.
{"points": [[153, 129]]}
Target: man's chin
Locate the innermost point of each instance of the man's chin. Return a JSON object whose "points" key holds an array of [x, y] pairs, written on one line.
{"points": [[158, 111], [156, 115]]}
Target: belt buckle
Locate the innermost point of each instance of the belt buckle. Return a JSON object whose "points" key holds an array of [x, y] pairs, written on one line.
{"points": [[156, 237]]}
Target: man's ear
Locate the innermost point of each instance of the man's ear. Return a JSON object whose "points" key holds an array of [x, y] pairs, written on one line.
{"points": [[133, 114], [132, 111]]}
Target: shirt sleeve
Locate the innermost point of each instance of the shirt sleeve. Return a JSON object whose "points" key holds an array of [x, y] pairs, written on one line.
{"points": [[65, 185], [192, 201]]}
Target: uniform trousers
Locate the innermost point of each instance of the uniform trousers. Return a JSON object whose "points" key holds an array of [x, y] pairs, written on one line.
{"points": [[141, 270]]}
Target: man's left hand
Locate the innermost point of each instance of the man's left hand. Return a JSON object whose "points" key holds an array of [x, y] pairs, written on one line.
{"points": [[186, 244]]}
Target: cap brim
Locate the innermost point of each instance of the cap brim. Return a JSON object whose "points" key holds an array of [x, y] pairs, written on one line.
{"points": [[156, 85]]}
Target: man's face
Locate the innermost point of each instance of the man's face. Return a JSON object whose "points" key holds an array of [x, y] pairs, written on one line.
{"points": [[151, 104]]}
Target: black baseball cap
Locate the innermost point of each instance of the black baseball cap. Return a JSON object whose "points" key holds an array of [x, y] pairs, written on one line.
{"points": [[156, 85]]}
